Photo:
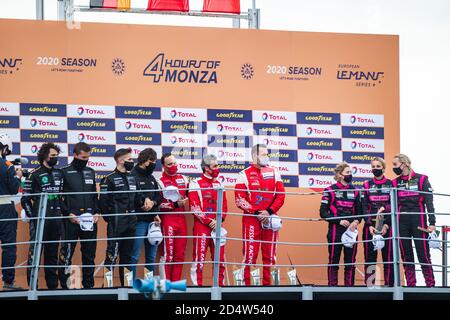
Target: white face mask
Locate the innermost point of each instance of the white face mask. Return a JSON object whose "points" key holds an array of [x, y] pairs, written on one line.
{"points": [[263, 161]]}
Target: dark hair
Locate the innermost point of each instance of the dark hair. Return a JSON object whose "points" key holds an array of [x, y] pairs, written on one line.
{"points": [[121, 152], [163, 158], [257, 147], [81, 146], [145, 155], [45, 150]]}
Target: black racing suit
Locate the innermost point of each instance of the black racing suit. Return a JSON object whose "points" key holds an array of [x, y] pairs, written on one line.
{"points": [[375, 196], [119, 226], [44, 180], [9, 185], [75, 180], [147, 182], [338, 202], [410, 200]]}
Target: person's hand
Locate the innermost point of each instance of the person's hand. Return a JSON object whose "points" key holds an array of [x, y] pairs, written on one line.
{"points": [[344, 223], [19, 173], [384, 230], [74, 218], [354, 225], [432, 228], [212, 224], [157, 219], [263, 216], [148, 204], [181, 202], [372, 230], [96, 217]]}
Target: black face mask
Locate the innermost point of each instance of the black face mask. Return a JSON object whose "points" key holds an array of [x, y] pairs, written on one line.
{"points": [[150, 168], [79, 164], [348, 178], [377, 172], [398, 171], [52, 162], [129, 165]]}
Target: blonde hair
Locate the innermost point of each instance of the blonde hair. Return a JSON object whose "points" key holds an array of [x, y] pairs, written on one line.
{"points": [[380, 160], [404, 159], [339, 169]]}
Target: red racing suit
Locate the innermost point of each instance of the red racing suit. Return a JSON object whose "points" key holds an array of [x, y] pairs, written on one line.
{"points": [[204, 205], [173, 224], [255, 191]]}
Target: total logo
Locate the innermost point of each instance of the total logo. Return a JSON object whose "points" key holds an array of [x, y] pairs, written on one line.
{"points": [[268, 116], [228, 128], [83, 110], [361, 171], [264, 116], [88, 137], [317, 182], [227, 180], [134, 125], [181, 114], [4, 109], [318, 156], [222, 153], [360, 145], [34, 148], [97, 164], [34, 122], [175, 140], [311, 130], [277, 143], [359, 119], [188, 166]]}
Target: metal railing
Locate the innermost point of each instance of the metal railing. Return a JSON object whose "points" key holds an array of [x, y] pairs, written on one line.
{"points": [[216, 290]]}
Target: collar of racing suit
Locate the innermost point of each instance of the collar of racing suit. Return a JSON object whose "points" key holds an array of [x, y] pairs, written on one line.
{"points": [[256, 167], [380, 181], [172, 178], [120, 172], [210, 179], [49, 170], [141, 171], [406, 178], [341, 186]]}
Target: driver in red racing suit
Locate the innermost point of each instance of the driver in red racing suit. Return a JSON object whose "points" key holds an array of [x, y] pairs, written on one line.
{"points": [[258, 207]]}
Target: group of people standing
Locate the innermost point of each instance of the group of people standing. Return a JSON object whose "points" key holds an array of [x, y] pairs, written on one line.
{"points": [[416, 220], [131, 200]]}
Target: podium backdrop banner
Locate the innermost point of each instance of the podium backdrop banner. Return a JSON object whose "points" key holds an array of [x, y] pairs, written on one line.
{"points": [[314, 98]]}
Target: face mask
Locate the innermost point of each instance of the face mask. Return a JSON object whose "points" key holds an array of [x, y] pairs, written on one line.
{"points": [[377, 172], [79, 164], [129, 165], [215, 172], [172, 170], [263, 161], [398, 171], [348, 178], [150, 168], [52, 162]]}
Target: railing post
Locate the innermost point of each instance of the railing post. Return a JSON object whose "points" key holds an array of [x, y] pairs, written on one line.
{"points": [[216, 292], [40, 223], [395, 237], [444, 256]]}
